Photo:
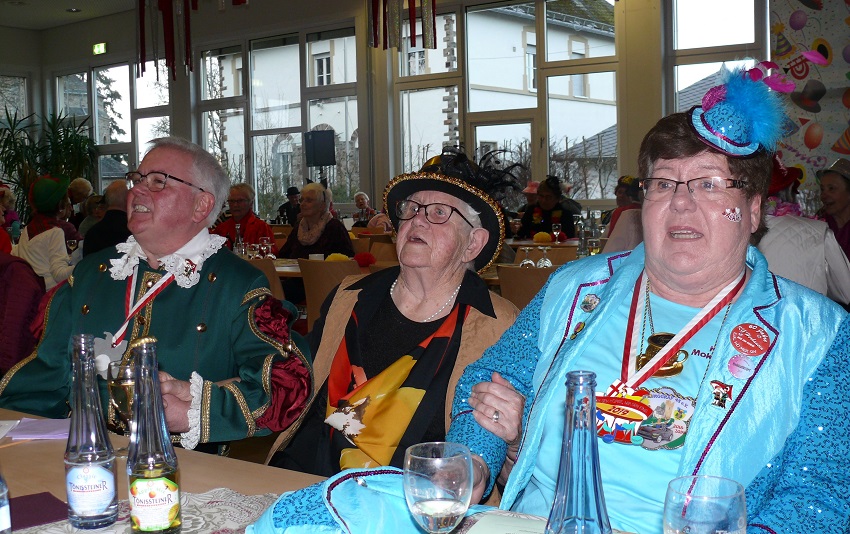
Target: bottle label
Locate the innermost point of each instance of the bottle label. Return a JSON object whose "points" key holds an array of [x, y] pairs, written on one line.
{"points": [[154, 503], [91, 489], [5, 518]]}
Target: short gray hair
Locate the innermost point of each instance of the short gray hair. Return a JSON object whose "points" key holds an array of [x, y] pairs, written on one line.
{"points": [[206, 170], [360, 193], [244, 188]]}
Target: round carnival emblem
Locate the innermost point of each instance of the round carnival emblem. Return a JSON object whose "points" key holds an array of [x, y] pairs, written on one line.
{"points": [[750, 339]]}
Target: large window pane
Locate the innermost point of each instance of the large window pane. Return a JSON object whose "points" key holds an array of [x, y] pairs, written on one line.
{"points": [[583, 134], [571, 22], [275, 83], [224, 136], [73, 94], [221, 73], [417, 60], [429, 121], [112, 105], [692, 81], [331, 58], [148, 129], [152, 87], [112, 167], [701, 23], [13, 95], [340, 115], [498, 44], [278, 163]]}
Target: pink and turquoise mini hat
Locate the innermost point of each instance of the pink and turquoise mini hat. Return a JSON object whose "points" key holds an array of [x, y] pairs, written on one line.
{"points": [[744, 113]]}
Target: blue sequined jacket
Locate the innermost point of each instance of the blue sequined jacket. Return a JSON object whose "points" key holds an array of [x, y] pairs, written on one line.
{"points": [[780, 436]]}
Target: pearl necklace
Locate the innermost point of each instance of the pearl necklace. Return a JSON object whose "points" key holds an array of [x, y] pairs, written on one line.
{"points": [[443, 307]]}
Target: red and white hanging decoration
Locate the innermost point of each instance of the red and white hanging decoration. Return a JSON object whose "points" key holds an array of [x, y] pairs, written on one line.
{"points": [[175, 17], [385, 22]]}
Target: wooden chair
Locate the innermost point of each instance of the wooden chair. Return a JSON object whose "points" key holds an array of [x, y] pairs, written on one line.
{"points": [[361, 244], [381, 238], [558, 255], [375, 267], [520, 284], [357, 230], [384, 251], [320, 277], [267, 266], [281, 230]]}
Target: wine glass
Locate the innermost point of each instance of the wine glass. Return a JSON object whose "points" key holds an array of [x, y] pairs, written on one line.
{"points": [[544, 261], [704, 505], [120, 381], [526, 262], [594, 245], [71, 244], [253, 251], [556, 229], [265, 246], [438, 484]]}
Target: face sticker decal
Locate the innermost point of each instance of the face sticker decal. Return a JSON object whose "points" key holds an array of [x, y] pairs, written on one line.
{"points": [[733, 214]]}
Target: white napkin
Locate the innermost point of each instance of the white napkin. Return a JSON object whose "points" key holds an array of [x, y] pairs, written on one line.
{"points": [[40, 429]]}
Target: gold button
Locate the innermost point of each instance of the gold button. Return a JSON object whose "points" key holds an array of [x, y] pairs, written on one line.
{"points": [[85, 309], [211, 277], [101, 267], [201, 327], [149, 284]]}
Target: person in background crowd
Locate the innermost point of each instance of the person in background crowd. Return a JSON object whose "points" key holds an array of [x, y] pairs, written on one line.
{"points": [[364, 212], [229, 366], [551, 208], [758, 346], [835, 195], [801, 249], [392, 344], [317, 232], [627, 199], [251, 227], [11, 218], [112, 228], [44, 240], [78, 191], [530, 193], [94, 208], [288, 211]]}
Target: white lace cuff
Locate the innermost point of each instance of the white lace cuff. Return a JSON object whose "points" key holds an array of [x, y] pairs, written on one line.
{"points": [[189, 440]]}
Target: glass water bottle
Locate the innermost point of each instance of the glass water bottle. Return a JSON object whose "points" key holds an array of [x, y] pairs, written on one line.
{"points": [[579, 505], [152, 469], [89, 456]]}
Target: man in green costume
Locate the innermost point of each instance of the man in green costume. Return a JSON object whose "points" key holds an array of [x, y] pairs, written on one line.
{"points": [[231, 367]]}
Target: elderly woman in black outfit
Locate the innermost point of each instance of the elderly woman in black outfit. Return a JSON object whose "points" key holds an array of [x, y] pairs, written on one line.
{"points": [[390, 347], [551, 207]]}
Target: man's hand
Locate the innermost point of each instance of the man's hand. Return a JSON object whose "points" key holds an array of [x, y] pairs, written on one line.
{"points": [[177, 399]]}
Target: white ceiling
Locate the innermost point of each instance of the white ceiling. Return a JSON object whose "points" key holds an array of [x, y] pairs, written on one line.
{"points": [[45, 14]]}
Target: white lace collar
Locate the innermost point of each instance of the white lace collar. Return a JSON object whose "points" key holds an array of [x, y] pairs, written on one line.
{"points": [[185, 264]]}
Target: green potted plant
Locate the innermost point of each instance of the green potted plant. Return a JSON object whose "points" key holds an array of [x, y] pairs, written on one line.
{"points": [[63, 147]]}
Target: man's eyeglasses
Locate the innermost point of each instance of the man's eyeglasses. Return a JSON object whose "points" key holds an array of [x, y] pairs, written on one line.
{"points": [[706, 188], [434, 213], [154, 180]]}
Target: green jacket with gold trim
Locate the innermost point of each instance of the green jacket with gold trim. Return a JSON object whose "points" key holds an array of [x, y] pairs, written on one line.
{"points": [[226, 326]]}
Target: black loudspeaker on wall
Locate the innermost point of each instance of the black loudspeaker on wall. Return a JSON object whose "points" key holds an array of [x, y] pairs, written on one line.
{"points": [[319, 148]]}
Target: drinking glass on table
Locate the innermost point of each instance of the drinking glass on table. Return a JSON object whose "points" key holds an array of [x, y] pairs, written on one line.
{"points": [[121, 381], [556, 229], [544, 260], [704, 505], [438, 484], [526, 262], [254, 251], [266, 247], [71, 244]]}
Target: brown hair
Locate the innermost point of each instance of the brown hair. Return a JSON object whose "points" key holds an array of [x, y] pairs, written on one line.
{"points": [[673, 137]]}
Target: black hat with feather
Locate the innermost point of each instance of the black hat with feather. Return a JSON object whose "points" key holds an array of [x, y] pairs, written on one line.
{"points": [[479, 185]]}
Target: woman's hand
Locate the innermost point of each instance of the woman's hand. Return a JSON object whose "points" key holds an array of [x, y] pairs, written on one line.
{"points": [[498, 407]]}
